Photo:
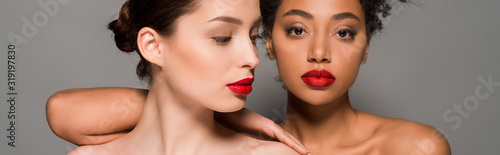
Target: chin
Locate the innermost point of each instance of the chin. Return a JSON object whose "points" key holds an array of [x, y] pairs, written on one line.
{"points": [[230, 105], [317, 97], [316, 100]]}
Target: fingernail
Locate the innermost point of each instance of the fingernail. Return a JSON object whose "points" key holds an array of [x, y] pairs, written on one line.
{"points": [[308, 152]]}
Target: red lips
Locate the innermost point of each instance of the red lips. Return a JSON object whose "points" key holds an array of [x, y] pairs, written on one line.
{"points": [[318, 78], [242, 87]]}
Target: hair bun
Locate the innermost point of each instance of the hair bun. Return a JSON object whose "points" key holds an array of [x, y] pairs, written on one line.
{"points": [[121, 29]]}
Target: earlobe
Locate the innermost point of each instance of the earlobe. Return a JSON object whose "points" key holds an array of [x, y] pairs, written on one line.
{"points": [[148, 43], [365, 54], [270, 50]]}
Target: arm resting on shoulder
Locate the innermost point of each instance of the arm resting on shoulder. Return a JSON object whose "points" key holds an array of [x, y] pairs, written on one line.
{"points": [[94, 115], [90, 116]]}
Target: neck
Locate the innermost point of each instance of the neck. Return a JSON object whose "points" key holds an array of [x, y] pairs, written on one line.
{"points": [[315, 123], [169, 125]]}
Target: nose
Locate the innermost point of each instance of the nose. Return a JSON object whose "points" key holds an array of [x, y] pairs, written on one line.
{"points": [[319, 52], [248, 56]]}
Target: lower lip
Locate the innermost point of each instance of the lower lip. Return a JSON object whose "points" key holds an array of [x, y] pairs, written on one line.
{"points": [[242, 87], [316, 78]]}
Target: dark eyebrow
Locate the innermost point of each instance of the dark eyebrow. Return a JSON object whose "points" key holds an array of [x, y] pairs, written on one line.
{"points": [[227, 20], [345, 15], [298, 13]]}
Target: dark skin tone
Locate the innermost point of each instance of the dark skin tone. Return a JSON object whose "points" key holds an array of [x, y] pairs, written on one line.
{"points": [[331, 35]]}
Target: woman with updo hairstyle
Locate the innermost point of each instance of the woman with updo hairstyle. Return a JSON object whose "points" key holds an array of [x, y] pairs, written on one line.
{"points": [[319, 46], [189, 83]]}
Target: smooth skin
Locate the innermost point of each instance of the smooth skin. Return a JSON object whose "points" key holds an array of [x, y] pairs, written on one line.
{"points": [[324, 120], [189, 84], [90, 116], [331, 35]]}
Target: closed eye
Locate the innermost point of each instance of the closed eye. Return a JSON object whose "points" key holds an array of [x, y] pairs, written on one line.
{"points": [[222, 40]]}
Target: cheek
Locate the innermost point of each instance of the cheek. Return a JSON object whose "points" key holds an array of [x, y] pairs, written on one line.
{"points": [[200, 74], [291, 59], [349, 55], [292, 62], [345, 66], [197, 69], [346, 60]]}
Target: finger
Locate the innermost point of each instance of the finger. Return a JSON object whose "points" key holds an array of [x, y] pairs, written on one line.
{"points": [[288, 139], [298, 143]]}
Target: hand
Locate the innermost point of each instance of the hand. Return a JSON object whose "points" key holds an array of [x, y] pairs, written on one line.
{"points": [[250, 123]]}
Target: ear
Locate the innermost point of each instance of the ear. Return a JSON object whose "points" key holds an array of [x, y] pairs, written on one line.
{"points": [[270, 50], [365, 54], [148, 42]]}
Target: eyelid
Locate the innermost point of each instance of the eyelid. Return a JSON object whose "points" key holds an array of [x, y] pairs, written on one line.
{"points": [[222, 40], [294, 26], [220, 35], [254, 31], [254, 38], [352, 31], [350, 35]]}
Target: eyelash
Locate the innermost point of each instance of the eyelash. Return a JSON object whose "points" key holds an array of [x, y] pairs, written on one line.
{"points": [[225, 40], [294, 28], [254, 38], [222, 40], [348, 36]]}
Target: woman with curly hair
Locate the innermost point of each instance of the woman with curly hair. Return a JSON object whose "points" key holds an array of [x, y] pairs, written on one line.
{"points": [[319, 46]]}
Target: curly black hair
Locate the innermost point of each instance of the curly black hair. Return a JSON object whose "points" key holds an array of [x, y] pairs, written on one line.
{"points": [[373, 10]]}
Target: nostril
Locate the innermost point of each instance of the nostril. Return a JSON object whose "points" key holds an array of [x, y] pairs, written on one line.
{"points": [[316, 60]]}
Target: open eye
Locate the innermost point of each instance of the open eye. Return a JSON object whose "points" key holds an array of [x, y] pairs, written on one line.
{"points": [[222, 40], [345, 34], [296, 31]]}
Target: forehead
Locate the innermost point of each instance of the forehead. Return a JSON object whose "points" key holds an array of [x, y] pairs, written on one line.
{"points": [[326, 8], [234, 8]]}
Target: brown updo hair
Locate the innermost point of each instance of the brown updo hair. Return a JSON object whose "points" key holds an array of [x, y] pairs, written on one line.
{"points": [[160, 15], [373, 10]]}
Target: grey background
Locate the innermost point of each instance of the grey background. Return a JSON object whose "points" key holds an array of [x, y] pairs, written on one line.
{"points": [[427, 59]]}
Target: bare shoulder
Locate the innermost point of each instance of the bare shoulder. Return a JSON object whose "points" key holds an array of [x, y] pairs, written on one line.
{"points": [[274, 148], [89, 150], [408, 137]]}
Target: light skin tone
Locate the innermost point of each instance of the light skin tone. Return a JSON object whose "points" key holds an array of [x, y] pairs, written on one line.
{"points": [[189, 83], [331, 35], [110, 113]]}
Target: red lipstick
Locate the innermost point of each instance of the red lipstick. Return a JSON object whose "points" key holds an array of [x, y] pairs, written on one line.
{"points": [[242, 87], [318, 78]]}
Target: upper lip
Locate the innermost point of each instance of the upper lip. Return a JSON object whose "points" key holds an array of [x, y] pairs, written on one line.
{"points": [[245, 81], [319, 74]]}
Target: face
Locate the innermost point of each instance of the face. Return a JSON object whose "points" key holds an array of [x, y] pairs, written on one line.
{"points": [[211, 57], [319, 46]]}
